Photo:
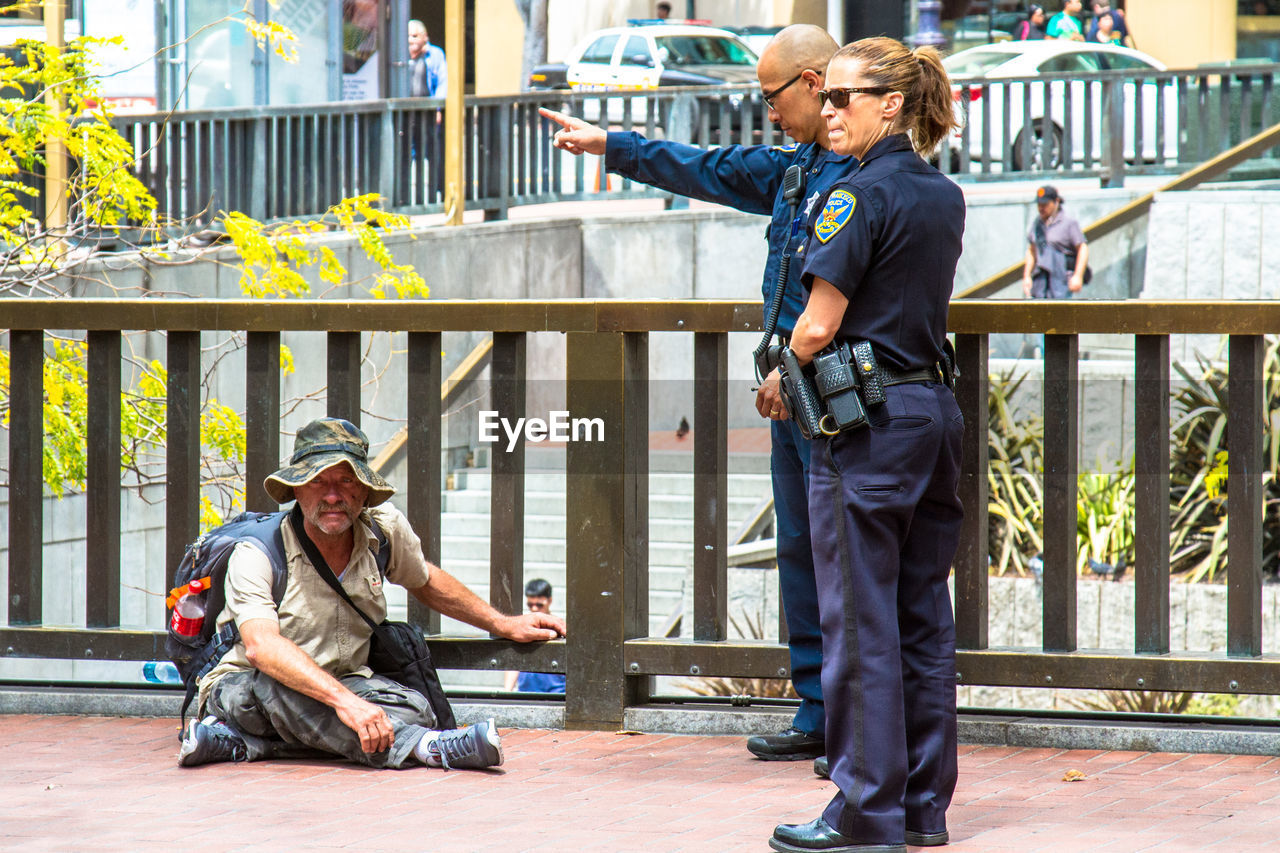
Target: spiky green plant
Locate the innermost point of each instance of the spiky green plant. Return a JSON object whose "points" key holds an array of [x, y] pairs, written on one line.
{"points": [[1105, 514], [1198, 487], [1015, 445]]}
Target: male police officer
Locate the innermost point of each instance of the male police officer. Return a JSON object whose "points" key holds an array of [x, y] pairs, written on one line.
{"points": [[749, 178]]}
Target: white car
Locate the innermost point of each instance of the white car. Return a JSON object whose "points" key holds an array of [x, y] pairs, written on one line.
{"points": [[1037, 110], [645, 57], [648, 56]]}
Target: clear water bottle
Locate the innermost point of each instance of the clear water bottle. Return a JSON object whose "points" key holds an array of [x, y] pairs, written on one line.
{"points": [[160, 672], [188, 613]]}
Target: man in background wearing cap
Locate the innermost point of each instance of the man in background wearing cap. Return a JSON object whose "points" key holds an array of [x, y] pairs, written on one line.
{"points": [[296, 682], [1057, 254]]}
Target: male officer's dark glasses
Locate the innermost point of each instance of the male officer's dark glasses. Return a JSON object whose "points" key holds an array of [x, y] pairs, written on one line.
{"points": [[839, 97], [768, 99]]}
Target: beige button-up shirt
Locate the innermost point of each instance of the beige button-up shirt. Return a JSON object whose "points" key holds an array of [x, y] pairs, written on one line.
{"points": [[311, 615]]}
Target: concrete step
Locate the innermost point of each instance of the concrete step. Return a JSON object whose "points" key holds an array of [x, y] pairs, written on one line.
{"points": [[552, 550], [553, 527], [553, 458], [474, 571], [674, 507], [660, 483]]}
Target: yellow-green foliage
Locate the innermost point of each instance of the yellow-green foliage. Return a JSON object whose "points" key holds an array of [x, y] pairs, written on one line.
{"points": [[272, 255], [104, 193]]}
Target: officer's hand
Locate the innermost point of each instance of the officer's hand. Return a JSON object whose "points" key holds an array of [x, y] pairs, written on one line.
{"points": [[769, 398], [1076, 284], [368, 721], [1026, 285], [575, 136], [529, 627]]}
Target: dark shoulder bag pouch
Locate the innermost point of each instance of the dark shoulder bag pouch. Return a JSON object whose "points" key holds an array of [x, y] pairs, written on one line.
{"points": [[397, 650]]}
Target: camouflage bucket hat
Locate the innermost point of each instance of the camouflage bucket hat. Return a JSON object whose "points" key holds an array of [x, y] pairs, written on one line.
{"points": [[320, 445]]}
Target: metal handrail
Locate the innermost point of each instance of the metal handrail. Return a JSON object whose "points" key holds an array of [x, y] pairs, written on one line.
{"points": [[283, 162]]}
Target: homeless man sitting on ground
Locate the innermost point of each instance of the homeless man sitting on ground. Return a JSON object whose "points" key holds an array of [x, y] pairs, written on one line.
{"points": [[296, 683]]}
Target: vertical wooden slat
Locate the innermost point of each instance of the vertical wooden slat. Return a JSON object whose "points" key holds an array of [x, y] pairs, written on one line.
{"points": [[262, 417], [606, 525], [506, 492], [343, 396], [1060, 471], [1246, 416], [182, 450], [102, 493], [26, 477], [710, 486], [973, 355], [1151, 499], [423, 458]]}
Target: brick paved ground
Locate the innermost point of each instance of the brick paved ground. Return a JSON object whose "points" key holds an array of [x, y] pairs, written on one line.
{"points": [[98, 784]]}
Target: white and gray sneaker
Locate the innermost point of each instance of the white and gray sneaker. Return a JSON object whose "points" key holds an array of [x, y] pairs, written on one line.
{"points": [[209, 741], [473, 748]]}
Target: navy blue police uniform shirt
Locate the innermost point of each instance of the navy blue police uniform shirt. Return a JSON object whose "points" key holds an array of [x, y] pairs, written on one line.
{"points": [[888, 237], [745, 177]]}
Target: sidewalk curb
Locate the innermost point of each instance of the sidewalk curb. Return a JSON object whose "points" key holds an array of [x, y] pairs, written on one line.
{"points": [[708, 720]]}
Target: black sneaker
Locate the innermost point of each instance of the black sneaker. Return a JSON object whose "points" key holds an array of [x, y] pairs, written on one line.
{"points": [[209, 741], [789, 745], [473, 748]]}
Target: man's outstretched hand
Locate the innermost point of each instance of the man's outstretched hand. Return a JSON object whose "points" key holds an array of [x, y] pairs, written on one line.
{"points": [[529, 627], [575, 135]]}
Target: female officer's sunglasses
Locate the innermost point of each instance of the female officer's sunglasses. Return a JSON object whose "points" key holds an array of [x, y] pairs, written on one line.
{"points": [[839, 97]]}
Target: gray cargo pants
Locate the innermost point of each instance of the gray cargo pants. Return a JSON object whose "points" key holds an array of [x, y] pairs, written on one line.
{"points": [[279, 722]]}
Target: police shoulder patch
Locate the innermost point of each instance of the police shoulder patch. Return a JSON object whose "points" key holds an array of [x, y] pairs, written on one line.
{"points": [[837, 211]]}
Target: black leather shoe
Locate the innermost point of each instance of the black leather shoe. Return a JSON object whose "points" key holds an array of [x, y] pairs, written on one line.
{"points": [[927, 839], [790, 745], [819, 835], [821, 768]]}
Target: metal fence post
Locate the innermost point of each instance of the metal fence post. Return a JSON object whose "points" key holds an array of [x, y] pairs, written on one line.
{"points": [[1113, 133]]}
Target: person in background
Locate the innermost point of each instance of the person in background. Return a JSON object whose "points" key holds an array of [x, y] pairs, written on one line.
{"points": [[1066, 25], [1031, 29], [1119, 25], [663, 10], [428, 71], [1104, 30], [537, 597], [1057, 253]]}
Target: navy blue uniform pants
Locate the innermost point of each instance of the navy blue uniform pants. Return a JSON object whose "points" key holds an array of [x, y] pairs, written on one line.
{"points": [[886, 522], [789, 464]]}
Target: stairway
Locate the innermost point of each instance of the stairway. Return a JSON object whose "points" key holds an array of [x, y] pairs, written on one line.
{"points": [[465, 522]]}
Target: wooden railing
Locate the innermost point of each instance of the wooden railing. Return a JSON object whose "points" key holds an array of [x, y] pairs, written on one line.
{"points": [[608, 655]]}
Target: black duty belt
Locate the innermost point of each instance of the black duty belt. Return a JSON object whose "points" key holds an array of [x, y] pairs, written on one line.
{"points": [[903, 377]]}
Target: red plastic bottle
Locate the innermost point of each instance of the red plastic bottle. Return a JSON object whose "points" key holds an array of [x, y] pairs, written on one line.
{"points": [[188, 613]]}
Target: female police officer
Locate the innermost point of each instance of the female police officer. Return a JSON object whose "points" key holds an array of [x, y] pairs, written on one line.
{"points": [[880, 264]]}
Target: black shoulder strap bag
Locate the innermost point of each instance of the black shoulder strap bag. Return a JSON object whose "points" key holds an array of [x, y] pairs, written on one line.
{"points": [[397, 650]]}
